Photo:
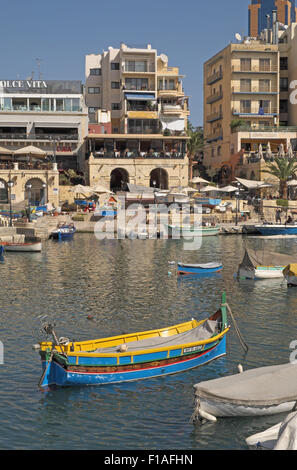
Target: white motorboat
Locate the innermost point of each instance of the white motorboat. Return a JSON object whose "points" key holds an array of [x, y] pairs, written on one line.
{"points": [[31, 247], [281, 436], [256, 392]]}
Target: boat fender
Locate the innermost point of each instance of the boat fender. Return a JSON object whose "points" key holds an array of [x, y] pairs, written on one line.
{"points": [[240, 368], [64, 341], [123, 348], [36, 347], [207, 416]]}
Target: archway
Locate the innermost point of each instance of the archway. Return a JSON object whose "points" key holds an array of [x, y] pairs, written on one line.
{"points": [[119, 177], [159, 178], [3, 192], [35, 191]]}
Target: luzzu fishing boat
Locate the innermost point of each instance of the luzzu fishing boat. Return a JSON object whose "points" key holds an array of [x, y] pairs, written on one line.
{"points": [[209, 268], [133, 356], [184, 231], [271, 230]]}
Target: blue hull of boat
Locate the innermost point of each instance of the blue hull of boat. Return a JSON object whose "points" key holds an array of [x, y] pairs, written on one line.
{"points": [[59, 376], [193, 270], [282, 230]]}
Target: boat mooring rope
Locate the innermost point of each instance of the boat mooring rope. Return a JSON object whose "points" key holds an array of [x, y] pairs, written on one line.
{"points": [[243, 343]]}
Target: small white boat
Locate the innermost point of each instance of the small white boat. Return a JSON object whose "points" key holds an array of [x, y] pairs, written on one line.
{"points": [[290, 274], [262, 264], [256, 392], [281, 436], [32, 247]]}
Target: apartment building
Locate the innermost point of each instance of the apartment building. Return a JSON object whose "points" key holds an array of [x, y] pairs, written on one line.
{"points": [[148, 111], [248, 105], [261, 12]]}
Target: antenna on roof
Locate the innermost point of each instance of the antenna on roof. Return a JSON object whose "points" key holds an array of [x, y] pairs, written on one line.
{"points": [[38, 61], [238, 37]]}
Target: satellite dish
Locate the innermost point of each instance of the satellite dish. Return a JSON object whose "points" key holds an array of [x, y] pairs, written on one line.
{"points": [[164, 58], [238, 36]]}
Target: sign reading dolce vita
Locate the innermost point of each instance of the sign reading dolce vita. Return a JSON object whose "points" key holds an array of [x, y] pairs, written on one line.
{"points": [[41, 86], [28, 84]]}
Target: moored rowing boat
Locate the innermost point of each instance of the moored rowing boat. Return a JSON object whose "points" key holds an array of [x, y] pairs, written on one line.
{"points": [[134, 356]]}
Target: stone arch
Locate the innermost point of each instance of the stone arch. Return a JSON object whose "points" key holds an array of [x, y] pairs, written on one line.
{"points": [[3, 191], [119, 177], [159, 178], [36, 194]]}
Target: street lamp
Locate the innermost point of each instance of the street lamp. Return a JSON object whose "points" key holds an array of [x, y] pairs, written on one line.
{"points": [[10, 184], [28, 188], [54, 142], [44, 193]]}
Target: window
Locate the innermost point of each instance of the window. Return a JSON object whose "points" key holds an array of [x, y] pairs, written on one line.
{"points": [[136, 84], [283, 106], [245, 65], [219, 151], [93, 90], [264, 65], [284, 63], [136, 66], [245, 106], [115, 84], [283, 84], [245, 85], [264, 85], [115, 66], [115, 106], [95, 71]]}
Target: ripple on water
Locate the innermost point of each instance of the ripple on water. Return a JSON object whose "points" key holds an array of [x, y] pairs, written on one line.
{"points": [[126, 286]]}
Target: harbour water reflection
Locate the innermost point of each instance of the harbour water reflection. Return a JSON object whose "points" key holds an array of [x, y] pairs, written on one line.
{"points": [[125, 286]]}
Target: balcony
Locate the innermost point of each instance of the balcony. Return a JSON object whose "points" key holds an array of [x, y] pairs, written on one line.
{"points": [[217, 135], [37, 137], [255, 111], [215, 77], [214, 117], [170, 90], [136, 154], [254, 69], [143, 130], [171, 109], [149, 68], [214, 97], [263, 90], [8, 165]]}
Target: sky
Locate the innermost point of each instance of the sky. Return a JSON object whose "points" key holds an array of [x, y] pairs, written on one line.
{"points": [[62, 32]]}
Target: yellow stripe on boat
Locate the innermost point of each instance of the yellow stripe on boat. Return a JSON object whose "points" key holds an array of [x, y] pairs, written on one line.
{"points": [[82, 349]]}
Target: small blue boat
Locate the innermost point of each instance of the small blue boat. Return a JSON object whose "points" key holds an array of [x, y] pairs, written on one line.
{"points": [[270, 230], [133, 356], [208, 268], [63, 232]]}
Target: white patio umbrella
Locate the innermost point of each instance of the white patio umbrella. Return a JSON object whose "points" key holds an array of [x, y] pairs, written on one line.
{"points": [[281, 151], [290, 152], [209, 189], [80, 189], [31, 151], [229, 189], [99, 189], [5, 151], [268, 151], [198, 179]]}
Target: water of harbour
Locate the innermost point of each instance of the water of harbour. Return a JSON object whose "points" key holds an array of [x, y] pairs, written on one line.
{"points": [[128, 286]]}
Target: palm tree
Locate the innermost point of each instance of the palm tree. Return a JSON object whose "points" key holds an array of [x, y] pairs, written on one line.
{"points": [[282, 169]]}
